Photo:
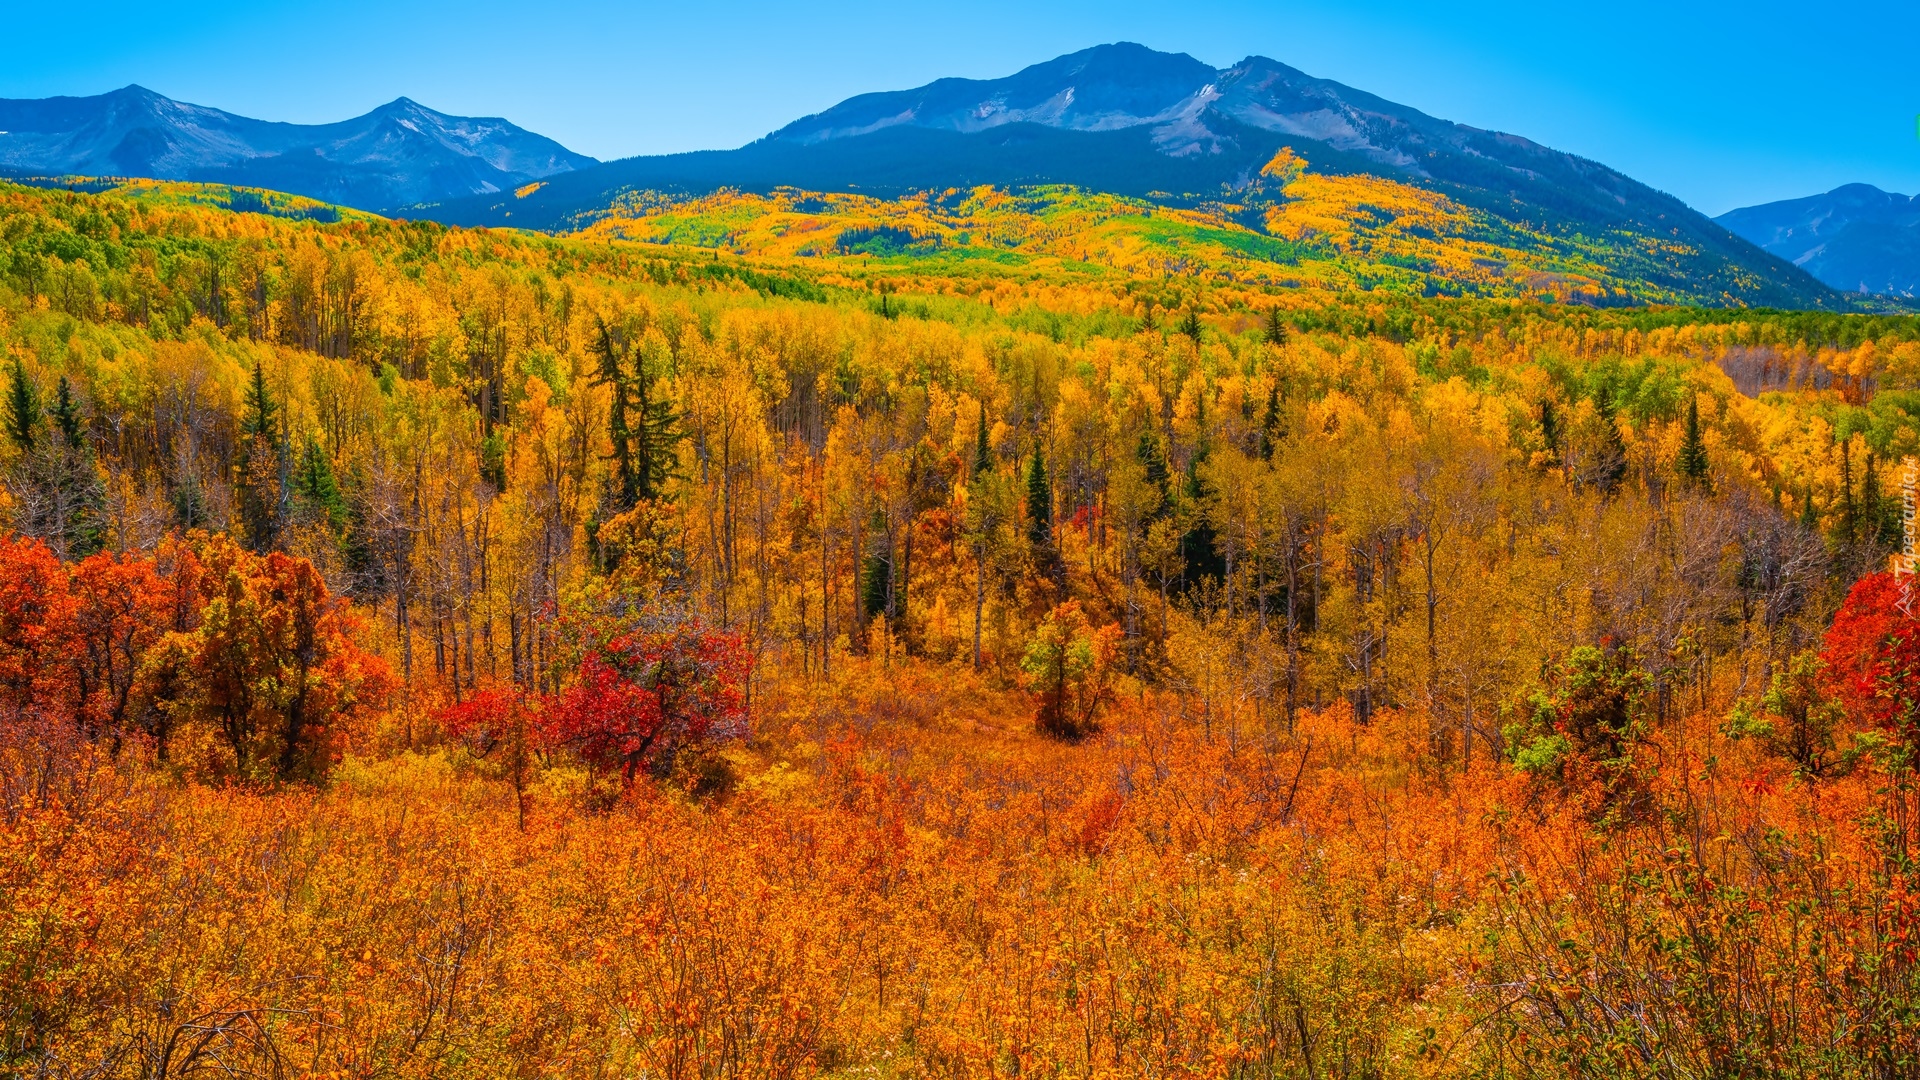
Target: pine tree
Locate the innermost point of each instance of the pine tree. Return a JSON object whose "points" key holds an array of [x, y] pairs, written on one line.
{"points": [[1270, 432], [641, 422], [66, 416], [1550, 428], [876, 579], [23, 407], [493, 460], [1148, 451], [982, 449], [1276, 330], [260, 484], [1039, 502], [1693, 449], [1611, 468], [319, 490], [1190, 326], [1879, 515], [1197, 546], [261, 408]]}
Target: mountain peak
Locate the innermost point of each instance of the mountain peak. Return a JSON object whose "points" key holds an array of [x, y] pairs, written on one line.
{"points": [[400, 154], [1856, 237]]}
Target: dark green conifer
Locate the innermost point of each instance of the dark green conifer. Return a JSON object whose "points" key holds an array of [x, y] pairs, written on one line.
{"points": [[66, 416], [1190, 326], [318, 489], [1276, 330], [261, 483], [493, 460], [1270, 432], [1148, 451], [1611, 468], [261, 408], [876, 579], [1039, 502], [1693, 448], [23, 407], [641, 421], [982, 448]]}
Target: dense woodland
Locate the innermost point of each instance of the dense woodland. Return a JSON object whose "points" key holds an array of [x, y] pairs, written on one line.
{"points": [[441, 652]]}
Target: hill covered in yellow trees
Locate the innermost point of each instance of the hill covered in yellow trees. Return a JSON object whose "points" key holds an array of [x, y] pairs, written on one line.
{"points": [[720, 644]]}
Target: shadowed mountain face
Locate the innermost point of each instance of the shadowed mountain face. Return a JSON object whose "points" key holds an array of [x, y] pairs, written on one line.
{"points": [[1856, 238], [1126, 119], [395, 156]]}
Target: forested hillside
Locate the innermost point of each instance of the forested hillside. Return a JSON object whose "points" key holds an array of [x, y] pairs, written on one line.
{"points": [[431, 651]]}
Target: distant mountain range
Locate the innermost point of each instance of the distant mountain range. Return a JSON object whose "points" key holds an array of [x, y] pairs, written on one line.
{"points": [[1855, 238], [396, 156], [1129, 120], [1121, 118]]}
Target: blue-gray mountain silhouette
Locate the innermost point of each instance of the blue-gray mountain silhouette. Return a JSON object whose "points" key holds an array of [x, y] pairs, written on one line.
{"points": [[1127, 119], [1855, 238], [400, 154]]}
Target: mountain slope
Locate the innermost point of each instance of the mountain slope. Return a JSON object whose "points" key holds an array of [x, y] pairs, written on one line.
{"points": [[1128, 120], [398, 155], [1856, 238]]}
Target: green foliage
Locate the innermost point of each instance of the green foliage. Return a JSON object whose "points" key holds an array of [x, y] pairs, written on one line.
{"points": [[318, 490], [642, 423], [1039, 502], [982, 449], [66, 417], [1592, 710], [1693, 449], [23, 406], [260, 469]]}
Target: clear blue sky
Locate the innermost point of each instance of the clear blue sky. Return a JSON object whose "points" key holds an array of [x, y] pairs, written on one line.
{"points": [[1721, 104]]}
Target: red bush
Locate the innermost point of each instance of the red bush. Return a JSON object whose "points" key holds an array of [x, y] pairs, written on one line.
{"points": [[1873, 657]]}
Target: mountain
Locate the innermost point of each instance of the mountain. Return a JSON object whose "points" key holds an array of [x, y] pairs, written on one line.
{"points": [[1129, 120], [1856, 238], [400, 154]]}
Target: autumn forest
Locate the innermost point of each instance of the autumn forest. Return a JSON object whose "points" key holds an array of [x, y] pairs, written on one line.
{"points": [[661, 651]]}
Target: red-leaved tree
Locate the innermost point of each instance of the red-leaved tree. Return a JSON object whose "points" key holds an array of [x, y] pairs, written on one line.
{"points": [[1873, 658], [650, 689], [502, 726]]}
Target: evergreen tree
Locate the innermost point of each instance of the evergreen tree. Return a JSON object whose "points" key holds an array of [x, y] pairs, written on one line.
{"points": [[1197, 547], [66, 416], [261, 408], [1809, 517], [641, 421], [1550, 428], [1693, 449], [56, 488], [1611, 466], [1039, 502], [260, 483], [493, 460], [1880, 525], [318, 489], [1270, 432], [1190, 326], [876, 579], [23, 407], [1276, 330], [190, 502], [982, 449], [1148, 451]]}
